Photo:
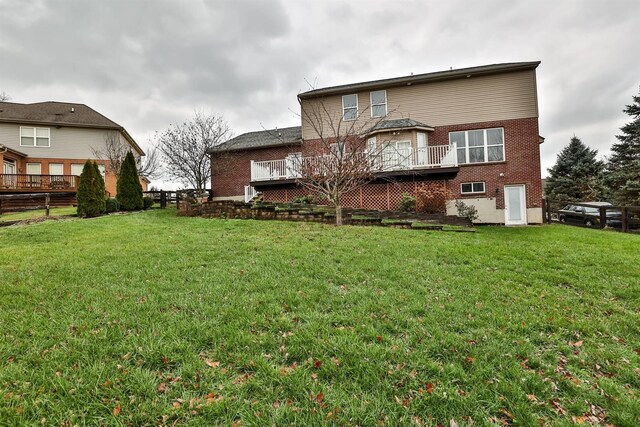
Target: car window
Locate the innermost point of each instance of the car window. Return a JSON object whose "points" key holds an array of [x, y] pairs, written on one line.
{"points": [[577, 208], [592, 210], [568, 207]]}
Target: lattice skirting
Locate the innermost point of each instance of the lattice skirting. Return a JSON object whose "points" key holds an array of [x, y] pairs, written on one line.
{"points": [[383, 196]]}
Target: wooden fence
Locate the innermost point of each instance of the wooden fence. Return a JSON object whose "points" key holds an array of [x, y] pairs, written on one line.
{"points": [[33, 201], [623, 218], [164, 197]]}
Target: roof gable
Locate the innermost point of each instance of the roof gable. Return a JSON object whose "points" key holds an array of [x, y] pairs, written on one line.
{"points": [[62, 113]]}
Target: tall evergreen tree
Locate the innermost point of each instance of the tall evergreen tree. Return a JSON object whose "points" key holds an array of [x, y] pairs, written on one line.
{"points": [[623, 168], [129, 189], [577, 174], [90, 195]]}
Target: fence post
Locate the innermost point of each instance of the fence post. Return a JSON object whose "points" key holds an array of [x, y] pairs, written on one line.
{"points": [[177, 200], [603, 216], [625, 222], [163, 199], [47, 200], [210, 195], [547, 210]]}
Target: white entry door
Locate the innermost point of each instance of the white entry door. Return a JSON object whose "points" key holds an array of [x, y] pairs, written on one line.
{"points": [[515, 205]]}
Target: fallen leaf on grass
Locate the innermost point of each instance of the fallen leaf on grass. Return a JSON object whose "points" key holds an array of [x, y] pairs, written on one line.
{"points": [[162, 388], [556, 405], [116, 410], [242, 378], [211, 397], [317, 364], [429, 388], [211, 364], [508, 414]]}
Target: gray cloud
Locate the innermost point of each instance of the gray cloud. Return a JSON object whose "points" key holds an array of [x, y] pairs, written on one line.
{"points": [[147, 64]]}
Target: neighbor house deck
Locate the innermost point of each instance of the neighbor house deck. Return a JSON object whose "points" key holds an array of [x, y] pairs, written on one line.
{"points": [[18, 183]]}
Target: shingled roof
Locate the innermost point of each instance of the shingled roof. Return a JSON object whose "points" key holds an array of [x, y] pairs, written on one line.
{"points": [[397, 124], [421, 78], [60, 114], [260, 139]]}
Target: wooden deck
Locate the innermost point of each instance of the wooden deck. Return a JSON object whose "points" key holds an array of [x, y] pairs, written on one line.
{"points": [[22, 183]]}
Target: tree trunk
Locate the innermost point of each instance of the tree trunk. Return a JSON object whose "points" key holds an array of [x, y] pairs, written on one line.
{"points": [[338, 215]]}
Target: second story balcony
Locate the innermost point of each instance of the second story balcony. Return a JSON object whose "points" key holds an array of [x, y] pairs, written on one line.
{"points": [[388, 161]]}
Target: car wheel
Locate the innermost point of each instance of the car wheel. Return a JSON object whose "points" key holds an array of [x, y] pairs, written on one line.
{"points": [[561, 218], [589, 223]]}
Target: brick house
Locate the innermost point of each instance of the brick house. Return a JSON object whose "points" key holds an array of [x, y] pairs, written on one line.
{"points": [[468, 134], [43, 146]]}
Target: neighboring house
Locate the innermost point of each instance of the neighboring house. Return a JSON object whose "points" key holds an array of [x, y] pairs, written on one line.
{"points": [[43, 146], [472, 131]]}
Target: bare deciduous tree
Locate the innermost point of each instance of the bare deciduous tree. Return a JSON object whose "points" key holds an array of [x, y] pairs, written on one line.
{"points": [[345, 159], [115, 150], [4, 97], [185, 148]]}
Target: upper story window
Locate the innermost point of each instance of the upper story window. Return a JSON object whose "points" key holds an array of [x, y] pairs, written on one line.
{"points": [[349, 107], [378, 103], [479, 146], [35, 137]]}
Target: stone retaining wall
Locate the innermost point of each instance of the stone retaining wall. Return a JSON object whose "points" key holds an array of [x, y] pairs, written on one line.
{"points": [[299, 212]]}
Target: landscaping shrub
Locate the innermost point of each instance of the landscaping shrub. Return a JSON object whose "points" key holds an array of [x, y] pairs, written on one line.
{"points": [[147, 202], [307, 199], [407, 203], [90, 196], [433, 198], [112, 205], [129, 190], [466, 211]]}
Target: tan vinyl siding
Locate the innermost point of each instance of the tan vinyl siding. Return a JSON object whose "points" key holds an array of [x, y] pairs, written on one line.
{"points": [[66, 142], [477, 99]]}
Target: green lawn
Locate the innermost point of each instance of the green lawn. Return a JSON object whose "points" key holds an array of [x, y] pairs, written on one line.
{"points": [[149, 319], [19, 216]]}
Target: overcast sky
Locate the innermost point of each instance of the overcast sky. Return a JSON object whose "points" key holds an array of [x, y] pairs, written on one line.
{"points": [[146, 64]]}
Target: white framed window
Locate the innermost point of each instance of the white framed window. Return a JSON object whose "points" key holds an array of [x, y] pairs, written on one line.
{"points": [[371, 144], [56, 169], [102, 169], [479, 146], [34, 169], [349, 107], [76, 169], [378, 103], [35, 137], [472, 187], [337, 148]]}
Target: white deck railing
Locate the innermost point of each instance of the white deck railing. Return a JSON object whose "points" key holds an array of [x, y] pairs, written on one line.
{"points": [[249, 193], [389, 159]]}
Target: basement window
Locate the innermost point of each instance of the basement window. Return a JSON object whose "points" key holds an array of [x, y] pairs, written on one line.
{"points": [[472, 187]]}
